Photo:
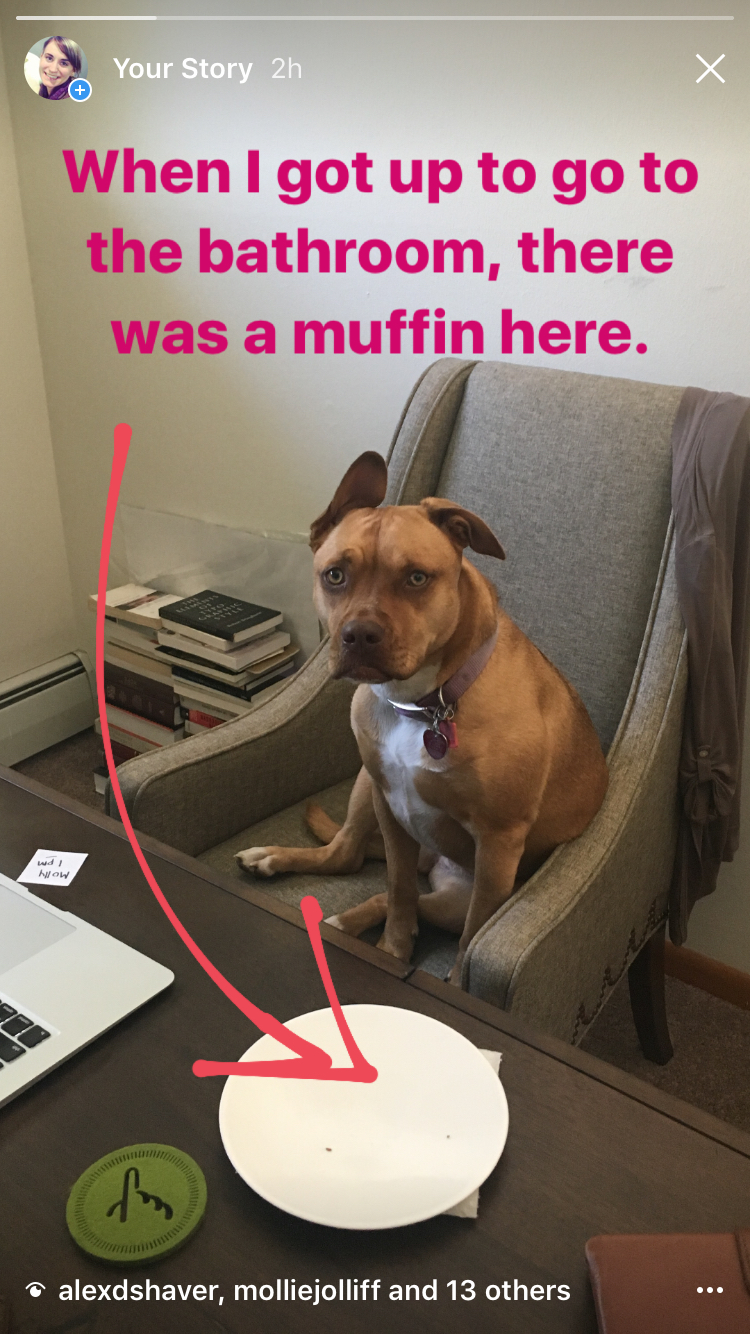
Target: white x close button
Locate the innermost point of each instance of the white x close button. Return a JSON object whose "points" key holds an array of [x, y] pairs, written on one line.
{"points": [[710, 69]]}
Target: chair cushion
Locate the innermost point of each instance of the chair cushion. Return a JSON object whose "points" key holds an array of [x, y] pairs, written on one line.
{"points": [[573, 473], [435, 950]]}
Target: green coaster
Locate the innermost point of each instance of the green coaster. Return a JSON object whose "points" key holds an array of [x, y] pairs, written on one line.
{"points": [[136, 1204]]}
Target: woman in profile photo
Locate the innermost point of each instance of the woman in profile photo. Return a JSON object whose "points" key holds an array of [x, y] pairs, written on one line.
{"points": [[60, 61]]}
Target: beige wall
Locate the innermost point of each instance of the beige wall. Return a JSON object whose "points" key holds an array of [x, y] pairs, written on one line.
{"points": [[36, 607], [259, 442]]}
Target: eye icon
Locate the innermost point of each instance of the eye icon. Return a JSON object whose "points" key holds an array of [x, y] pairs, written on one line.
{"points": [[36, 1289]]}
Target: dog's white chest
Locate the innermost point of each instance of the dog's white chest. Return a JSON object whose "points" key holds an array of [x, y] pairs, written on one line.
{"points": [[403, 757]]}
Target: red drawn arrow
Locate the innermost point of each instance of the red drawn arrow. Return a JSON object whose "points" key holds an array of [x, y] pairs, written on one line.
{"points": [[359, 1072], [312, 1062]]}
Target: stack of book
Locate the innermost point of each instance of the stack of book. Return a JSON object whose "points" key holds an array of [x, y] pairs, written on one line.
{"points": [[165, 679], [143, 710], [225, 654]]}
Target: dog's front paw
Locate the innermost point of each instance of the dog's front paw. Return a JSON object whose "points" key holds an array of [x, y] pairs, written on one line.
{"points": [[399, 943], [263, 861], [454, 977]]}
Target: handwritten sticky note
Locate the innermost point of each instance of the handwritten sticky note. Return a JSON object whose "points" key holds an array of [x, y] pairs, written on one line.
{"points": [[52, 868]]}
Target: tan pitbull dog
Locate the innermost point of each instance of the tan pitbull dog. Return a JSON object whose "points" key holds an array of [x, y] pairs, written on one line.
{"points": [[406, 612]]}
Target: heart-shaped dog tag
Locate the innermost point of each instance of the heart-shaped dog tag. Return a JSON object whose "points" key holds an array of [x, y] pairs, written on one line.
{"points": [[435, 744]]}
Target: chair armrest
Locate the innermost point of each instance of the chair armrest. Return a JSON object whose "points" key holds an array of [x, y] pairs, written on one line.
{"points": [[555, 950], [206, 788]]}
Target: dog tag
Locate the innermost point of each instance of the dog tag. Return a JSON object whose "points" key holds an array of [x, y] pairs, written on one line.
{"points": [[437, 743], [448, 729]]}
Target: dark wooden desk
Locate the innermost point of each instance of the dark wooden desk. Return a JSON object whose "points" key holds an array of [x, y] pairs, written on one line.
{"points": [[590, 1149]]}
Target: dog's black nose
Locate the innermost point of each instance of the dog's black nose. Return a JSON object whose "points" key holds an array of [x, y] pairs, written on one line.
{"points": [[362, 634]]}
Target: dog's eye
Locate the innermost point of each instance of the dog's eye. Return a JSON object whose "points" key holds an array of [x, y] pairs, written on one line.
{"points": [[335, 577], [417, 579]]}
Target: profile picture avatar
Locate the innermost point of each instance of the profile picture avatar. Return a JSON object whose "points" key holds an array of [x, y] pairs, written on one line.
{"points": [[52, 64]]}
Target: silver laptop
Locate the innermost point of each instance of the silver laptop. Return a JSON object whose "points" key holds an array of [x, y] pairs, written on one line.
{"points": [[62, 983]]}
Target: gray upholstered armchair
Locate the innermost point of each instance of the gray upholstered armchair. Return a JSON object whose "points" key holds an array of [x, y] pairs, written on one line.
{"points": [[573, 473]]}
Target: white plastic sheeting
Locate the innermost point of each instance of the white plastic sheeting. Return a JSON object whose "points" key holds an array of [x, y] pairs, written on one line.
{"points": [[181, 555]]}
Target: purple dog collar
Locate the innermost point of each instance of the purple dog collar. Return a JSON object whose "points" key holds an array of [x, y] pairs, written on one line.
{"points": [[439, 707]]}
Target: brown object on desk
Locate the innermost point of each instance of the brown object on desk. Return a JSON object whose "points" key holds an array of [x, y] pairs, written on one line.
{"points": [[671, 1283], [590, 1149], [4, 1315]]}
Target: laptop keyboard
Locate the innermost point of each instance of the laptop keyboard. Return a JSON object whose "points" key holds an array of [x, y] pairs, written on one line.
{"points": [[18, 1033]]}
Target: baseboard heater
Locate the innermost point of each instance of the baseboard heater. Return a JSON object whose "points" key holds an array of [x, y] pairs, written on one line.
{"points": [[45, 705]]}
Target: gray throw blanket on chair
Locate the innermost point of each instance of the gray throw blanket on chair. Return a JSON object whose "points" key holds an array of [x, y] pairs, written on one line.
{"points": [[711, 503]]}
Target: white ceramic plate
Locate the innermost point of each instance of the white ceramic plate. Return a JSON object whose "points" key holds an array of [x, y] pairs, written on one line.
{"points": [[415, 1142]]}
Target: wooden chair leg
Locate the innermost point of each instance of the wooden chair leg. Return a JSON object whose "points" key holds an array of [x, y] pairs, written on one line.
{"points": [[646, 982]]}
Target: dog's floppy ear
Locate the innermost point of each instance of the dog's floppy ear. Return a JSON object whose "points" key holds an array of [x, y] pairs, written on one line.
{"points": [[362, 487], [462, 527]]}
